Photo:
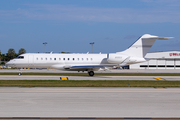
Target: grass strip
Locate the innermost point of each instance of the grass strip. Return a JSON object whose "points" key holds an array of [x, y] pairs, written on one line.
{"points": [[88, 83], [96, 74]]}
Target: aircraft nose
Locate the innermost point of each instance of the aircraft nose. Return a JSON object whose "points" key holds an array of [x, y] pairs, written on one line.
{"points": [[10, 63]]}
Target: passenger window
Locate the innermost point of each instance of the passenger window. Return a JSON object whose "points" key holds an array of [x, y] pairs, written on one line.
{"points": [[87, 58], [54, 58], [41, 58], [50, 58], [59, 58], [46, 58], [63, 58], [78, 58], [82, 58], [36, 58], [73, 58], [91, 59], [68, 58]]}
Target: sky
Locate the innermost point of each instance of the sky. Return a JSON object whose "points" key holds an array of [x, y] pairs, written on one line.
{"points": [[71, 25]]}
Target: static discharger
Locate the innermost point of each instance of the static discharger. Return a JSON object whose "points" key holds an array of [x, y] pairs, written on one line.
{"points": [[63, 78], [159, 78]]}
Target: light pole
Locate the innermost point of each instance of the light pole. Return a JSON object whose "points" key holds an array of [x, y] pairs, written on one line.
{"points": [[45, 46], [92, 45]]}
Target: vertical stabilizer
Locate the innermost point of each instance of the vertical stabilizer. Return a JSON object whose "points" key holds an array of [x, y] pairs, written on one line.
{"points": [[142, 45]]}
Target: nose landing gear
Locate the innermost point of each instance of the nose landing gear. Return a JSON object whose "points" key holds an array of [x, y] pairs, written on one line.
{"points": [[91, 73]]}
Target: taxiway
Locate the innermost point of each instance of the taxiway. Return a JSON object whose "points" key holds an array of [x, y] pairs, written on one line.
{"points": [[107, 71], [38, 77]]}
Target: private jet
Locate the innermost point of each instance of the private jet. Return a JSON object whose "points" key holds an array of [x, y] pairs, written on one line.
{"points": [[88, 62]]}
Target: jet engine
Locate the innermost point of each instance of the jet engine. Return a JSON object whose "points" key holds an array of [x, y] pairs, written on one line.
{"points": [[116, 58], [123, 59]]}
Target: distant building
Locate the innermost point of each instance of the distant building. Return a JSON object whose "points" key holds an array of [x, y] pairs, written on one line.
{"points": [[160, 60]]}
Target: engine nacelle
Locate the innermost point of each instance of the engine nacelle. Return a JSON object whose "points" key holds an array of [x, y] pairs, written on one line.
{"points": [[116, 58], [121, 58]]}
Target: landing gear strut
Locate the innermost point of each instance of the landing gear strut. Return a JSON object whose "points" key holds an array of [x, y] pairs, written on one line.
{"points": [[91, 73], [19, 74]]}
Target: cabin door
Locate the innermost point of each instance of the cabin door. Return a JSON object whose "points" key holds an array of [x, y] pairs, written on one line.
{"points": [[31, 61]]}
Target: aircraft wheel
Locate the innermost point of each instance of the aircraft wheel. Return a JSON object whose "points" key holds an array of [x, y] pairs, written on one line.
{"points": [[91, 73]]}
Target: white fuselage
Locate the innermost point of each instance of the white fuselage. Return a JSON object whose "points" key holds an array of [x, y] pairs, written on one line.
{"points": [[66, 61]]}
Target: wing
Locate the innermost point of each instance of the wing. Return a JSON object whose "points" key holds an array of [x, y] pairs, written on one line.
{"points": [[87, 67]]}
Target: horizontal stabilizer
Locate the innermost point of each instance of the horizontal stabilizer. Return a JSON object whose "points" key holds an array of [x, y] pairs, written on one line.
{"points": [[157, 38]]}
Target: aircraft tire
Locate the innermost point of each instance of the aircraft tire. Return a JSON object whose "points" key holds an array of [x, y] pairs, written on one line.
{"points": [[91, 73]]}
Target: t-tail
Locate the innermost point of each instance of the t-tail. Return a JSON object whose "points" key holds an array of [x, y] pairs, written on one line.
{"points": [[142, 45]]}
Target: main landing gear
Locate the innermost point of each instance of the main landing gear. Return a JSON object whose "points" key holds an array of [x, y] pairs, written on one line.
{"points": [[91, 73]]}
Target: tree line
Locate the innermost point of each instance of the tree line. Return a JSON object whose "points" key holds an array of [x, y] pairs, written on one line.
{"points": [[11, 54]]}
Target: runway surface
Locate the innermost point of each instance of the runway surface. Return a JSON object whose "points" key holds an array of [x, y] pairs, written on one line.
{"points": [[35, 77], [89, 102]]}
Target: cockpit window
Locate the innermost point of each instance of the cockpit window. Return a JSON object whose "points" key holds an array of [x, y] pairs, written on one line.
{"points": [[20, 57]]}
